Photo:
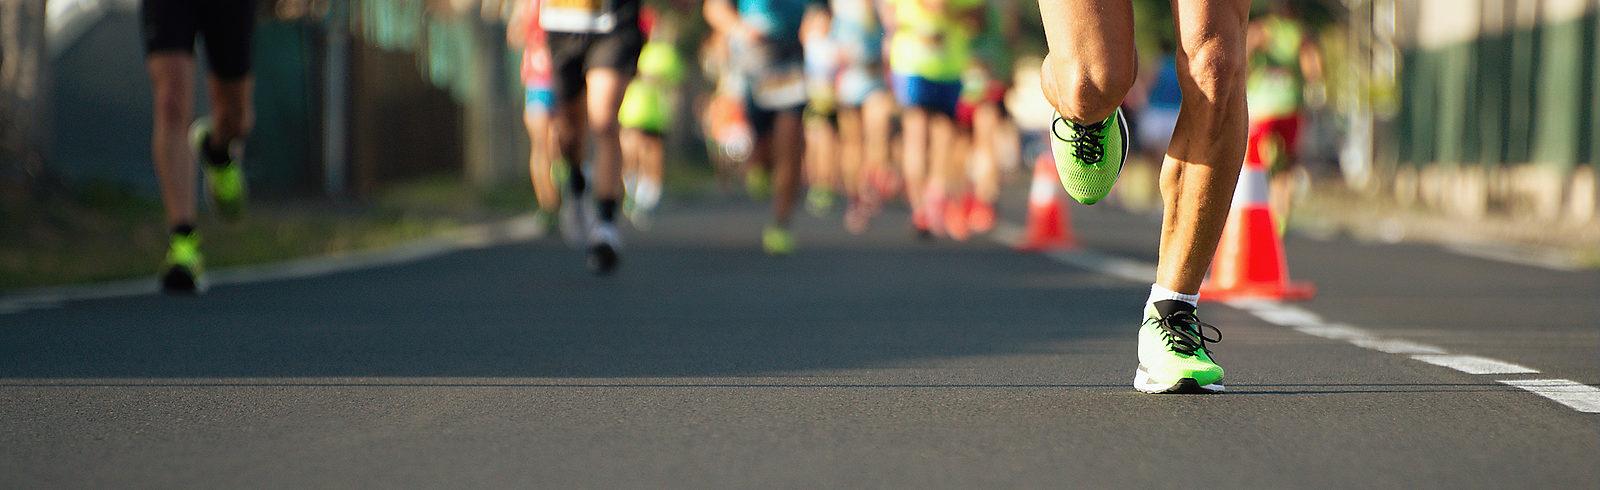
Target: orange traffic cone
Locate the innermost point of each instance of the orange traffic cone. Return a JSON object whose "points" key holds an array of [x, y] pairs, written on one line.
{"points": [[1049, 222], [1249, 263]]}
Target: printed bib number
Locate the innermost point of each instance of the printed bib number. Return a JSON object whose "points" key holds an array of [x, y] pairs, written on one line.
{"points": [[578, 15]]}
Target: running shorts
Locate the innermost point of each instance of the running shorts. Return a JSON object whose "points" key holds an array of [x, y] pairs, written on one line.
{"points": [[858, 82], [776, 87], [967, 109], [1286, 129], [573, 54], [540, 100], [226, 25], [937, 96]]}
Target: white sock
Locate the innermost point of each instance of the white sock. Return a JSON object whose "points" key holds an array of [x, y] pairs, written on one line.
{"points": [[1158, 293], [647, 193]]}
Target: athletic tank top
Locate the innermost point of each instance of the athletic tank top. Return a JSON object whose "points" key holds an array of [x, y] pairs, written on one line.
{"points": [[1275, 84], [929, 44]]}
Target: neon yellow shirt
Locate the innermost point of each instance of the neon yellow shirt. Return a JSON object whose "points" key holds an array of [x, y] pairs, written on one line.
{"points": [[1275, 83], [929, 44]]}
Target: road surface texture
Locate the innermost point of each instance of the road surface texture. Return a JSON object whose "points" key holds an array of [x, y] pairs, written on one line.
{"points": [[859, 362]]}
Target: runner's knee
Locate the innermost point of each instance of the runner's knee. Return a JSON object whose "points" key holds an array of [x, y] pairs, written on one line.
{"points": [[1087, 91], [1215, 69], [604, 125]]}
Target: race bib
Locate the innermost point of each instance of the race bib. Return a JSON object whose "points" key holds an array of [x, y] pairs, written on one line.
{"points": [[595, 16], [780, 87]]}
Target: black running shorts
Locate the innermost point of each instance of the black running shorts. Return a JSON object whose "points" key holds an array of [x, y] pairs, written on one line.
{"points": [[573, 54], [226, 25]]}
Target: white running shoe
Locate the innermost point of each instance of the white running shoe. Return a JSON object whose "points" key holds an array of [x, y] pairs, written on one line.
{"points": [[604, 242]]}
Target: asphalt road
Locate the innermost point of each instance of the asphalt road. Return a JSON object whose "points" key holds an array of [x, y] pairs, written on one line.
{"points": [[861, 362]]}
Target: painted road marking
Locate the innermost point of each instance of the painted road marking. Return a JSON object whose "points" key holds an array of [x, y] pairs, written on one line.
{"points": [[1396, 346], [1336, 331], [1010, 234], [478, 236], [1578, 396], [1290, 317], [1474, 364]]}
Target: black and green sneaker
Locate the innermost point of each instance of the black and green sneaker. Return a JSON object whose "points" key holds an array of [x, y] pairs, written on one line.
{"points": [[183, 272], [1173, 357], [1089, 157], [225, 184]]}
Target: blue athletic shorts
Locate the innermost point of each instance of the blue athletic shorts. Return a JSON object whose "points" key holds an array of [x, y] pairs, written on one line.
{"points": [[915, 91], [858, 82], [539, 100]]}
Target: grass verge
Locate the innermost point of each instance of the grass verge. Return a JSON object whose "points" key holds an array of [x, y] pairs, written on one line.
{"points": [[103, 233]]}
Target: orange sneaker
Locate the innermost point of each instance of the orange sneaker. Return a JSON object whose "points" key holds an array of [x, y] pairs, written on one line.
{"points": [[980, 215], [955, 219]]}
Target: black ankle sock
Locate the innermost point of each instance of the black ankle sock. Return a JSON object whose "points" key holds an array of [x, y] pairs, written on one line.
{"points": [[216, 156], [183, 229], [608, 210], [1167, 307], [575, 181]]}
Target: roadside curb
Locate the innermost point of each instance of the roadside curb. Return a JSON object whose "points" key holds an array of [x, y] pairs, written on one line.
{"points": [[484, 235]]}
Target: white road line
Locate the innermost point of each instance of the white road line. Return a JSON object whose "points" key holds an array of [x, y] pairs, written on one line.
{"points": [[1575, 395], [1474, 364], [1337, 331], [1396, 346], [1118, 267], [1288, 316], [478, 236], [1009, 234]]}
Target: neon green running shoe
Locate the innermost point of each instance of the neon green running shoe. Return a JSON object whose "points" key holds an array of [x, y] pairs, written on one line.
{"points": [[820, 201], [776, 240], [225, 185], [183, 272], [1173, 357], [1089, 157]]}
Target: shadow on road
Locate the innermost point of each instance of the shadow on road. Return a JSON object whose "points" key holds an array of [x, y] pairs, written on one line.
{"points": [[695, 304]]}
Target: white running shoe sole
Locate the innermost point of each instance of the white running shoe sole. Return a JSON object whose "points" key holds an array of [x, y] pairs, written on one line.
{"points": [[1143, 382]]}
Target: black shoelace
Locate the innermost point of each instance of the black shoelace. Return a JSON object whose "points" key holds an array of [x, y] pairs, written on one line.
{"points": [[1086, 143], [1186, 333]]}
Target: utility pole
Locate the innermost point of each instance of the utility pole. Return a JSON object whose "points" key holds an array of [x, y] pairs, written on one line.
{"points": [[335, 102]]}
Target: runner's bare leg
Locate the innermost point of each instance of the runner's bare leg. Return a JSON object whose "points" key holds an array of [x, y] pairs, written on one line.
{"points": [[604, 87], [172, 77], [1207, 149]]}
